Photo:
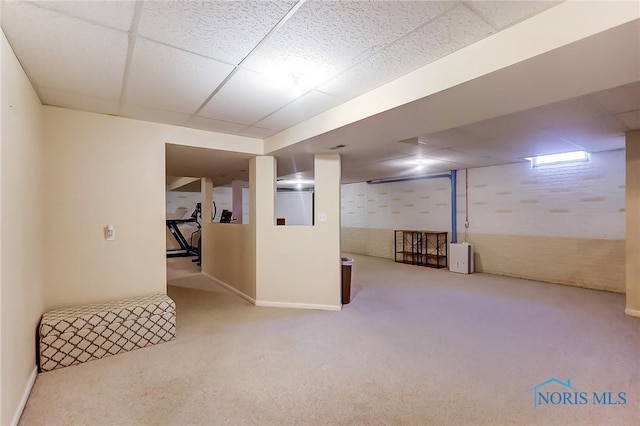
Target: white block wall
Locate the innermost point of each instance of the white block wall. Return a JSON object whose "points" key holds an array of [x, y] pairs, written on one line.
{"points": [[420, 204], [579, 200], [179, 201], [221, 196], [558, 223]]}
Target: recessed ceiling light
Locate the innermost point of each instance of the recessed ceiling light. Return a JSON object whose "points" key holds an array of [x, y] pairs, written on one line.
{"points": [[337, 147], [419, 161]]}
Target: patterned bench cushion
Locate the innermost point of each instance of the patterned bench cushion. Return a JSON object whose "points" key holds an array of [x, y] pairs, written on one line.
{"points": [[74, 335]]}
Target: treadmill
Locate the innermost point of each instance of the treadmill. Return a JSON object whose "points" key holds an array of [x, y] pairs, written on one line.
{"points": [[187, 249]]}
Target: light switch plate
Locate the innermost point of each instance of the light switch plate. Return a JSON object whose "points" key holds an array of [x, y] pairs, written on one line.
{"points": [[109, 233]]}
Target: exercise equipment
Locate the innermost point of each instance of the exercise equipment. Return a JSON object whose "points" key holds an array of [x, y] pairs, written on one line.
{"points": [[225, 216], [187, 249]]}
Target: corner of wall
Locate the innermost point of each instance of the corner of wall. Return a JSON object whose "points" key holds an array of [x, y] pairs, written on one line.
{"points": [[22, 207]]}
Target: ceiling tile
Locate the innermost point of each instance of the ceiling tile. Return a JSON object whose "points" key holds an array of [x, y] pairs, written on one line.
{"points": [[631, 119], [409, 149], [446, 34], [299, 165], [223, 30], [620, 99], [248, 97], [183, 84], [156, 115], [257, 132], [114, 14], [222, 166], [580, 132], [215, 125], [472, 160], [561, 113], [324, 38], [503, 127], [64, 53], [516, 149], [502, 13], [603, 144], [307, 106], [374, 155], [75, 101], [394, 168], [446, 138]]}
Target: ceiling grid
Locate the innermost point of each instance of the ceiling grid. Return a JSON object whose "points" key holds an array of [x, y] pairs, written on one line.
{"points": [[227, 67]]}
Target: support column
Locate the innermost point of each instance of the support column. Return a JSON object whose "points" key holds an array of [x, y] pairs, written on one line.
{"points": [[297, 266], [206, 198], [632, 210], [206, 192], [262, 189], [236, 200]]}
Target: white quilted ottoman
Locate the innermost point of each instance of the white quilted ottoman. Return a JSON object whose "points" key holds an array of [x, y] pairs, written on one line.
{"points": [[79, 334]]}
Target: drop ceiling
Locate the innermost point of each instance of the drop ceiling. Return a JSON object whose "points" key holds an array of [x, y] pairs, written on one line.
{"points": [[227, 66]]}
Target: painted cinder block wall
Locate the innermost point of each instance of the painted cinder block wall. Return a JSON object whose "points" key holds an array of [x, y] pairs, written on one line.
{"points": [[560, 223]]}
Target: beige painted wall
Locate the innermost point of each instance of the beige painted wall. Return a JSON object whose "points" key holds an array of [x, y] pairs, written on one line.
{"points": [[228, 254], [633, 223], [22, 261], [589, 263], [2, 54], [297, 265], [104, 170], [369, 241]]}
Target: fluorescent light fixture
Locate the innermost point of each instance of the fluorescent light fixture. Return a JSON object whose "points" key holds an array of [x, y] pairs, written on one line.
{"points": [[295, 182], [564, 157]]}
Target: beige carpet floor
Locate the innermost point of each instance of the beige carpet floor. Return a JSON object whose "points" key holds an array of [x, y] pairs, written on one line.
{"points": [[415, 346]]}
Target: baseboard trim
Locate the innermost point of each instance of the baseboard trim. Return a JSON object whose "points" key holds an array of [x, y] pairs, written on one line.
{"points": [[25, 397], [231, 289], [269, 304], [632, 312]]}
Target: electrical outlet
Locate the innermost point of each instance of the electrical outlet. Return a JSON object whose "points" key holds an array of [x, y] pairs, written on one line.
{"points": [[322, 217]]}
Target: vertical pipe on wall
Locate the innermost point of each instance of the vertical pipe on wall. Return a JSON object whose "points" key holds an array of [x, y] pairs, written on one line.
{"points": [[454, 206], [454, 195]]}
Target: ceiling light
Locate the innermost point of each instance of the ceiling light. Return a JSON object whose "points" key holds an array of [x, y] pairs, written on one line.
{"points": [[419, 161], [295, 182], [296, 83], [564, 157]]}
